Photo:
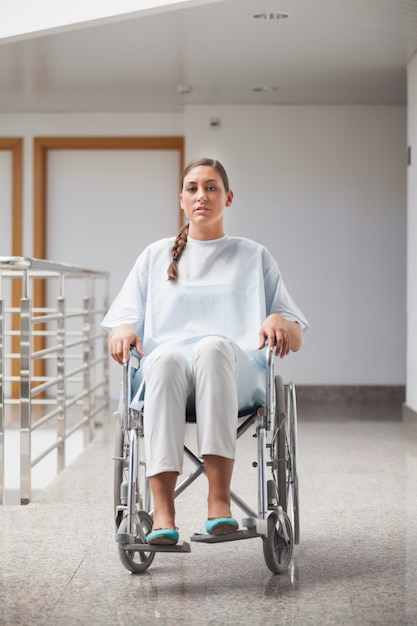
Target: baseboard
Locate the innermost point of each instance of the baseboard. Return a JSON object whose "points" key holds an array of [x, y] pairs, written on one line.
{"points": [[352, 394], [409, 414]]}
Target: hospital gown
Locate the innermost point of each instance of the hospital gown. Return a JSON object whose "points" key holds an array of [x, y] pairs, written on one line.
{"points": [[226, 287]]}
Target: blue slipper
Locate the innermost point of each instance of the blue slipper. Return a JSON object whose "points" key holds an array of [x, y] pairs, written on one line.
{"points": [[163, 537], [221, 525]]}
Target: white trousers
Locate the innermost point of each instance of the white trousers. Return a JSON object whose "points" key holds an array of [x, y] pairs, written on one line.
{"points": [[171, 380]]}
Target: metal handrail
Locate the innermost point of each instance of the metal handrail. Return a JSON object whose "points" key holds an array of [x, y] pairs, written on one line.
{"points": [[55, 392], [43, 265]]}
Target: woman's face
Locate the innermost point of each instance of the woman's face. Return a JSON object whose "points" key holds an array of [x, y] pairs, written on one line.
{"points": [[203, 199]]}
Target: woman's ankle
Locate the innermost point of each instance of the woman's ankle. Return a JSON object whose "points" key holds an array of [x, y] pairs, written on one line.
{"points": [[163, 490], [218, 507], [161, 522]]}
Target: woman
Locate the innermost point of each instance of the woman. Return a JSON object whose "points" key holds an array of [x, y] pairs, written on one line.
{"points": [[200, 331]]}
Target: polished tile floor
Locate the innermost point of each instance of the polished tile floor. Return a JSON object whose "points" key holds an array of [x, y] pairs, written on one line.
{"points": [[356, 563]]}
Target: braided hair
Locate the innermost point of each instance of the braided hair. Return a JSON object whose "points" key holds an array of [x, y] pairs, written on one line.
{"points": [[177, 250], [181, 239]]}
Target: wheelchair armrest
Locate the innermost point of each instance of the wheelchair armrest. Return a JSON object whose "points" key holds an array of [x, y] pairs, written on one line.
{"points": [[270, 354], [130, 367], [134, 359]]}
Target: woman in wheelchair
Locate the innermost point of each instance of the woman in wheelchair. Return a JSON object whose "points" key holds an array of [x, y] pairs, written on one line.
{"points": [[199, 309]]}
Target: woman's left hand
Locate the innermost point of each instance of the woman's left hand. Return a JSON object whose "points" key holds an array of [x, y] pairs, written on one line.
{"points": [[281, 335]]}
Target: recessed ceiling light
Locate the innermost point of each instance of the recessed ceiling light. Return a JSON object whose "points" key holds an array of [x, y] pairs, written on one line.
{"points": [[270, 15], [264, 89]]}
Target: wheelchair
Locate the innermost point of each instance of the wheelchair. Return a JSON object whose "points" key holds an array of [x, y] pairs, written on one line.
{"points": [[276, 521]]}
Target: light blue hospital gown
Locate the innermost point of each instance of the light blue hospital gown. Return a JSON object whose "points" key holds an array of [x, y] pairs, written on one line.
{"points": [[226, 287]]}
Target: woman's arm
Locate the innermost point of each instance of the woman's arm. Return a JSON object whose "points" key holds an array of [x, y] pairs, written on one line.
{"points": [[120, 339], [281, 334]]}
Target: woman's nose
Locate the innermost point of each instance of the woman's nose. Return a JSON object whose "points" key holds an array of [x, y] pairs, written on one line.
{"points": [[201, 194]]}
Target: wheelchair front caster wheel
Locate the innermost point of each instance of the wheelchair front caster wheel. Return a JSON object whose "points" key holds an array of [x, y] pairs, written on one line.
{"points": [[278, 545], [136, 561]]}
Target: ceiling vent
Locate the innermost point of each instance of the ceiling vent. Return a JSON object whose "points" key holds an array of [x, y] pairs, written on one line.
{"points": [[270, 16], [264, 89]]}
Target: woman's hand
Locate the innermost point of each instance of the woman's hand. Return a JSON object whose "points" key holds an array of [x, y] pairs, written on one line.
{"points": [[281, 334], [120, 339]]}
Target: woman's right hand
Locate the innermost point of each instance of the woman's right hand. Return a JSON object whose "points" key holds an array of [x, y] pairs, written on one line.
{"points": [[120, 339]]}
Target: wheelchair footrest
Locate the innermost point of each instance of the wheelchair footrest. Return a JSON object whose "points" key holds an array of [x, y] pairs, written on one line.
{"points": [[148, 547], [234, 536]]}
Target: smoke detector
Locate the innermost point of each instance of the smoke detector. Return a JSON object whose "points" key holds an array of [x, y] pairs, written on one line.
{"points": [[184, 88]]}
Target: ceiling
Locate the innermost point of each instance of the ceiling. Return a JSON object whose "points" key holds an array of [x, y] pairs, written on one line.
{"points": [[326, 52]]}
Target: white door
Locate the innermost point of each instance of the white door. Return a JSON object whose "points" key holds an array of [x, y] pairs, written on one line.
{"points": [[105, 206]]}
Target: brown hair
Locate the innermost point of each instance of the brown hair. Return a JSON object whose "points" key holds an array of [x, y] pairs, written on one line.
{"points": [[181, 239]]}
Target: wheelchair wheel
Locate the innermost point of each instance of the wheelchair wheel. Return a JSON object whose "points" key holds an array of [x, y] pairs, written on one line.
{"points": [[278, 545], [293, 508], [286, 451], [281, 452], [137, 562], [118, 470]]}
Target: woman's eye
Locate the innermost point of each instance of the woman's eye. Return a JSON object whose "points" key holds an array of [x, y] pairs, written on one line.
{"points": [[208, 188]]}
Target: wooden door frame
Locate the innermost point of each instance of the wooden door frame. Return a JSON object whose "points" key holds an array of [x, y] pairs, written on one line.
{"points": [[42, 146], [15, 146]]}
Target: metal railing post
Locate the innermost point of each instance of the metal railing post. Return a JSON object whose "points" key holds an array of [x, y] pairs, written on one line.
{"points": [[60, 391], [88, 426], [106, 365], [2, 396], [91, 352], [25, 393]]}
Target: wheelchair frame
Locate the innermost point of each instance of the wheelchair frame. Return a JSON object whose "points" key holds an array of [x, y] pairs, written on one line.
{"points": [[277, 520]]}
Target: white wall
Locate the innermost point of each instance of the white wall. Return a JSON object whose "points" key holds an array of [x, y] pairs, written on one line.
{"points": [[92, 247], [75, 124], [116, 199], [411, 399], [325, 189]]}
